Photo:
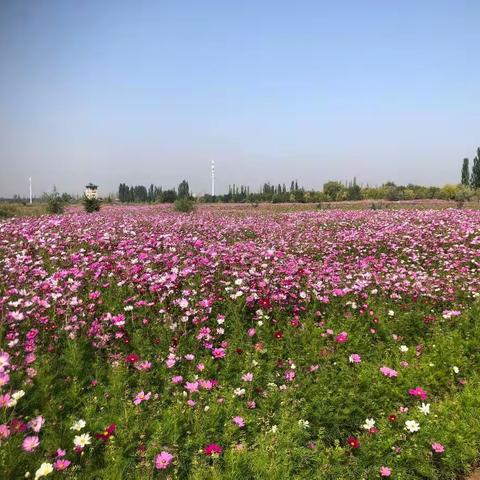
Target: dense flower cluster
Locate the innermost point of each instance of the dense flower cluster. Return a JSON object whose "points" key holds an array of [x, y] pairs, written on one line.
{"points": [[225, 319]]}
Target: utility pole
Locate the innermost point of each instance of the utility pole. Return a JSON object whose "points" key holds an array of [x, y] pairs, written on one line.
{"points": [[213, 178], [30, 185]]}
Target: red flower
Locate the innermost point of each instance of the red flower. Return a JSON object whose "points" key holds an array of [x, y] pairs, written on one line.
{"points": [[107, 433], [213, 449], [264, 303], [132, 358], [392, 418], [278, 334], [353, 441]]}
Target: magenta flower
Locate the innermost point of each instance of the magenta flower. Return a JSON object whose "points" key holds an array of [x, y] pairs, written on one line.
{"points": [[418, 392], [213, 449], [342, 337], [163, 460], [218, 353]]}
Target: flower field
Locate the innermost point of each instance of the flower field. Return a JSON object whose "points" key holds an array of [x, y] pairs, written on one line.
{"points": [[240, 343]]}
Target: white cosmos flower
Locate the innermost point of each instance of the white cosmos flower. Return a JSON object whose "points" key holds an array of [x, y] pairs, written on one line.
{"points": [[239, 392], [412, 426], [44, 470], [369, 423], [18, 395], [456, 369], [78, 425], [82, 440], [425, 408], [304, 424], [403, 348]]}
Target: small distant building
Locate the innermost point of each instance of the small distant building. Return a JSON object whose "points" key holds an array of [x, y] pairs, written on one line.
{"points": [[91, 190]]}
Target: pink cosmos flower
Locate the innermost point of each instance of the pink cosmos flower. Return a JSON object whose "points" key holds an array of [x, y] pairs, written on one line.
{"points": [[4, 378], [218, 353], [144, 366], [177, 379], [355, 358], [290, 375], [239, 421], [5, 400], [192, 387], [36, 423], [142, 397], [388, 372], [251, 332], [385, 471], [438, 447], [163, 460], [4, 431], [248, 377], [30, 443], [61, 464]]}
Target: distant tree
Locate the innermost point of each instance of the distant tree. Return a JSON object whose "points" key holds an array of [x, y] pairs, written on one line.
{"points": [[183, 190], [465, 172], [332, 190], [475, 177], [169, 196]]}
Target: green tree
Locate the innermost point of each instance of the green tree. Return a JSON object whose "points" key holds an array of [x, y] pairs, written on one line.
{"points": [[332, 190], [465, 172], [183, 190], [475, 177]]}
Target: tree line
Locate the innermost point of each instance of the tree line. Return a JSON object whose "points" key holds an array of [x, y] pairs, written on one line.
{"points": [[471, 179], [332, 191], [152, 194]]}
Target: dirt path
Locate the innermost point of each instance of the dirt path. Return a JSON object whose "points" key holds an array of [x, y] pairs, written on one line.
{"points": [[475, 475]]}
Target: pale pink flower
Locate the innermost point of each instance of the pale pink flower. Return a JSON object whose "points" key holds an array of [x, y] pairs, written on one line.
{"points": [[30, 443], [141, 397], [438, 447], [385, 471], [239, 421]]}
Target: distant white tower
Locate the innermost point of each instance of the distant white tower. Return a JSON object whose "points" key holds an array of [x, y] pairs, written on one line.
{"points": [[30, 185], [213, 178]]}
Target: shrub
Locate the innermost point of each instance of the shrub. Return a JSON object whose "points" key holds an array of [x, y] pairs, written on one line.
{"points": [[55, 203], [91, 204], [184, 205]]}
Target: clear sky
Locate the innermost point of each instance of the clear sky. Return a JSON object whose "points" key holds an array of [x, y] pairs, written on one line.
{"points": [[151, 91]]}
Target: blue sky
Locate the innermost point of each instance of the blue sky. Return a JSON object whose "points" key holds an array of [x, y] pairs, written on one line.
{"points": [[150, 92]]}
